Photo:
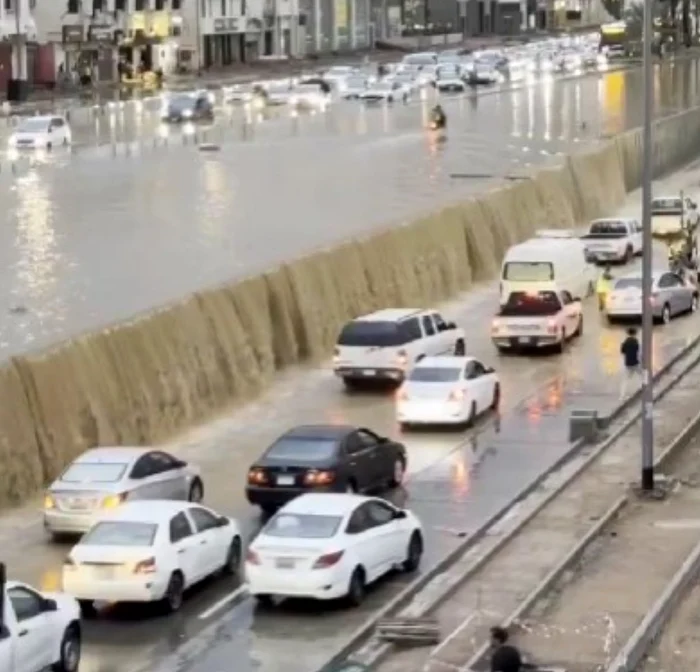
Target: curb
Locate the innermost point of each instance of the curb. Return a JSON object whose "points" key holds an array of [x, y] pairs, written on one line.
{"points": [[636, 647], [364, 631]]}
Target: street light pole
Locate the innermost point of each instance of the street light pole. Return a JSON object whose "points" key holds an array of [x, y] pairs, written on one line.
{"points": [[647, 318]]}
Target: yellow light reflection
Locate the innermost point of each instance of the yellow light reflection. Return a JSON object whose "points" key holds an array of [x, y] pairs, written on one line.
{"points": [[547, 92], [460, 474], [51, 581]]}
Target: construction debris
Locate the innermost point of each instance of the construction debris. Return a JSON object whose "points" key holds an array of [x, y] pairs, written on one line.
{"points": [[409, 631]]}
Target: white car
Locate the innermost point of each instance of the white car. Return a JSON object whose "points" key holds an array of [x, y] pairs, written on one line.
{"points": [[151, 551], [447, 390], [43, 132], [450, 80], [386, 91], [327, 546], [308, 96], [387, 343], [351, 88], [278, 93]]}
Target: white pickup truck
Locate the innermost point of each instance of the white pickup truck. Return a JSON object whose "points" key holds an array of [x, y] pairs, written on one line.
{"points": [[38, 631], [537, 320], [616, 239]]}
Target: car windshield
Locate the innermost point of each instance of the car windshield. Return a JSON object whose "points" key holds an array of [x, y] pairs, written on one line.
{"points": [[434, 374], [33, 126], [528, 271], [533, 305], [120, 533], [181, 103], [302, 526], [628, 283], [670, 204], [609, 228], [448, 72], [94, 472], [302, 449], [372, 334]]}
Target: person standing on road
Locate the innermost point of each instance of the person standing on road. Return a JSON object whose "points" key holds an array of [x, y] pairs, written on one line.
{"points": [[630, 357], [603, 286], [504, 657]]}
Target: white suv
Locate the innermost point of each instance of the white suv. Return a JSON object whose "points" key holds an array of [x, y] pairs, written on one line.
{"points": [[386, 344]]}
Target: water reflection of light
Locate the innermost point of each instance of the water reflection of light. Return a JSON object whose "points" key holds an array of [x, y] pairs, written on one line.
{"points": [[516, 114], [51, 581], [547, 92], [554, 394], [188, 129], [163, 131], [460, 474], [37, 239], [531, 111]]}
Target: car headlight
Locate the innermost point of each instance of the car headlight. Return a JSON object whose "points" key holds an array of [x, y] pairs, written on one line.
{"points": [[12, 141], [187, 114], [293, 100]]}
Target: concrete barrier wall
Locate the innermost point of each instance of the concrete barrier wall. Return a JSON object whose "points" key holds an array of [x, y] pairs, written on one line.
{"points": [[142, 381]]}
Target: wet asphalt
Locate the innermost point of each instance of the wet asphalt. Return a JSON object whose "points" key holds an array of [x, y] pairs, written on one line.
{"points": [[182, 220]]}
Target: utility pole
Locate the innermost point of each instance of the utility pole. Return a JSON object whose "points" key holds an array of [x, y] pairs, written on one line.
{"points": [[647, 318], [21, 64]]}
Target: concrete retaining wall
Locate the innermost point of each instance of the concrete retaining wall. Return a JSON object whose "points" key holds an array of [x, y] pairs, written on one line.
{"points": [[142, 381]]}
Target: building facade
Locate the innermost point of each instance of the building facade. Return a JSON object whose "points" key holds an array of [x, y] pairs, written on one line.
{"points": [[18, 37]]}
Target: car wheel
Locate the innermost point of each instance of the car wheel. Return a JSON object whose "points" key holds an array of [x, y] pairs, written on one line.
{"points": [[398, 473], [460, 348], [561, 346], [579, 328], [232, 567], [264, 600], [350, 384], [196, 493], [48, 145], [70, 651], [356, 588], [174, 593], [628, 255], [694, 303], [666, 314], [472, 415], [414, 553], [87, 608], [496, 401], [390, 99]]}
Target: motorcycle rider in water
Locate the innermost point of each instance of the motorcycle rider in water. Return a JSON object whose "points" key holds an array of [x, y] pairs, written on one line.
{"points": [[438, 118]]}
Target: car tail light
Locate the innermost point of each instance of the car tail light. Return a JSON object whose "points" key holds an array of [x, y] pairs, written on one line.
{"points": [[653, 298], [552, 327], [336, 355], [456, 395], [113, 501], [257, 477], [147, 566], [402, 394], [328, 560], [49, 502], [495, 326], [252, 557], [315, 477], [402, 358]]}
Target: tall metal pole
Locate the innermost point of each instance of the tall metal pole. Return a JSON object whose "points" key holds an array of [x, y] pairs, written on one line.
{"points": [[647, 318], [18, 41]]}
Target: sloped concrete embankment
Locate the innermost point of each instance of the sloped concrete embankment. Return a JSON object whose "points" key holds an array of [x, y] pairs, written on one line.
{"points": [[141, 381]]}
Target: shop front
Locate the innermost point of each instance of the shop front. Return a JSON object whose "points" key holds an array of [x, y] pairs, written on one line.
{"points": [[226, 43]]}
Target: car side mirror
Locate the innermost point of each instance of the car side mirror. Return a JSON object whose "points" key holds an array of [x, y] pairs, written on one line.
{"points": [[383, 439], [490, 369], [576, 298], [179, 464], [223, 521], [451, 325], [400, 515], [49, 605]]}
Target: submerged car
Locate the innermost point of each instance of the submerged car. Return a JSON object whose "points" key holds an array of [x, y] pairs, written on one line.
{"points": [[450, 80], [196, 106], [102, 479], [41, 132]]}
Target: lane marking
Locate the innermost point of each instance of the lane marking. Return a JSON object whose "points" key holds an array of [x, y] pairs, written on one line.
{"points": [[462, 626], [226, 599]]}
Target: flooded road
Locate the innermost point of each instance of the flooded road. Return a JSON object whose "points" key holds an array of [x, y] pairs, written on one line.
{"points": [[97, 235], [456, 480]]}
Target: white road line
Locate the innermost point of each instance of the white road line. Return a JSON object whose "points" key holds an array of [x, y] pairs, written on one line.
{"points": [[226, 599], [452, 635]]}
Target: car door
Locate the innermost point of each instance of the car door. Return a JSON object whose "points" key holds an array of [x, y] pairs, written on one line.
{"points": [[190, 554], [665, 289], [682, 295], [482, 382], [381, 456], [361, 461], [363, 537], [386, 534], [34, 637], [168, 478], [431, 336], [570, 312], [637, 235], [207, 533], [444, 336]]}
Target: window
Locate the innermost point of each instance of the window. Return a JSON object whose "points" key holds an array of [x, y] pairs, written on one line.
{"points": [[528, 271], [223, 7], [94, 472], [203, 520], [139, 5], [566, 298], [367, 439], [666, 281], [434, 374], [160, 462], [97, 6], [353, 444], [609, 227], [412, 330], [368, 333], [428, 326], [120, 5], [72, 7], [479, 369], [25, 603], [359, 521], [176, 4], [120, 533], [302, 526], [159, 5], [57, 123], [439, 322], [203, 7], [628, 283], [180, 528], [379, 514], [302, 449]]}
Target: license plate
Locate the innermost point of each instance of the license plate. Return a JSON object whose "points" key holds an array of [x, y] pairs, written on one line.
{"points": [[79, 504], [369, 372], [285, 563], [285, 480], [524, 339], [104, 573]]}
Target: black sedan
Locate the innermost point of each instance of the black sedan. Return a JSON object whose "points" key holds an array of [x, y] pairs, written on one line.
{"points": [[324, 458], [196, 106]]}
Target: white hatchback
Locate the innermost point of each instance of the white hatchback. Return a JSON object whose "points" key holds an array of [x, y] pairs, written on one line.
{"points": [[326, 546], [447, 390], [41, 132], [148, 551]]}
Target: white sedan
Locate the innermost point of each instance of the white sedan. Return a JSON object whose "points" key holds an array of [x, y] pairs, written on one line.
{"points": [[326, 546], [43, 132], [447, 390], [151, 551]]}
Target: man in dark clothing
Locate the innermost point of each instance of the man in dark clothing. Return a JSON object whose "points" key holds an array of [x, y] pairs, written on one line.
{"points": [[505, 657], [630, 356]]}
